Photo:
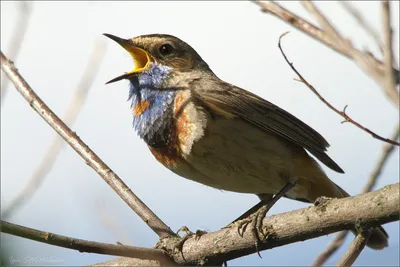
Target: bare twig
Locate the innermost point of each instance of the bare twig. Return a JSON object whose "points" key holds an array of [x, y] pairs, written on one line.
{"points": [[389, 77], [17, 40], [70, 116], [341, 113], [362, 22], [84, 151], [335, 244], [86, 246], [355, 249], [387, 150], [332, 248], [365, 60]]}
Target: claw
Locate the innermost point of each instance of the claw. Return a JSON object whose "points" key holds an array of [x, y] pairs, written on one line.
{"points": [[199, 233], [187, 235], [256, 218], [240, 225]]}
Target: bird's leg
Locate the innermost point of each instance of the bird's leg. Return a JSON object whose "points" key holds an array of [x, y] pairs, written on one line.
{"points": [[187, 235], [256, 214], [256, 225], [243, 220]]}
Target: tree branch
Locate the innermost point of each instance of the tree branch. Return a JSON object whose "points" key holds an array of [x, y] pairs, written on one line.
{"points": [[84, 151], [86, 246], [341, 113], [370, 209], [70, 116], [365, 60], [335, 244], [355, 249]]}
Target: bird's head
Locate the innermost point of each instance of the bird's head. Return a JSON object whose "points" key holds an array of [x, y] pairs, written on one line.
{"points": [[160, 50]]}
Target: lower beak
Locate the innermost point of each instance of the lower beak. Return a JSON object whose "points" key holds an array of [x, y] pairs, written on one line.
{"points": [[140, 57]]}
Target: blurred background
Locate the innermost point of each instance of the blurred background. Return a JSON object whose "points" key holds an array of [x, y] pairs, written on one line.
{"points": [[240, 44]]}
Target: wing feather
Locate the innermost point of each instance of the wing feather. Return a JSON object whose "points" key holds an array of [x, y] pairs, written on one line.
{"points": [[240, 103]]}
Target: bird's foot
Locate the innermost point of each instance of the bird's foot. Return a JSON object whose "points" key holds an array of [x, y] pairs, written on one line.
{"points": [[188, 234], [256, 218]]}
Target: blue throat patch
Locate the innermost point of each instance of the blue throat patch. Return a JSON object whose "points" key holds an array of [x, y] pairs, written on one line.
{"points": [[153, 125]]}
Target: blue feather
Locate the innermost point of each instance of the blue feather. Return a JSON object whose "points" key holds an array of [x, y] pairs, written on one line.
{"points": [[153, 122]]}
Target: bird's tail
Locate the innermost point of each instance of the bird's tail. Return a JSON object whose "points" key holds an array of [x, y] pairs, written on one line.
{"points": [[379, 238]]}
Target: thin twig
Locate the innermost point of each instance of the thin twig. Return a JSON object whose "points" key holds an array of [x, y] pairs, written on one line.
{"points": [[70, 116], [389, 77], [365, 60], [17, 40], [355, 249], [86, 246], [84, 151], [341, 113], [362, 22], [387, 150], [335, 244]]}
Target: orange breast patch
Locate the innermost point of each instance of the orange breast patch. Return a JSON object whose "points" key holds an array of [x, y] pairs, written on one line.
{"points": [[140, 108], [170, 155]]}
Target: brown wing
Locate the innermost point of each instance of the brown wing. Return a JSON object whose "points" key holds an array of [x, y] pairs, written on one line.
{"points": [[236, 102]]}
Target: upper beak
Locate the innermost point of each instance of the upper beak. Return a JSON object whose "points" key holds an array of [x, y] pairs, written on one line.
{"points": [[140, 56]]}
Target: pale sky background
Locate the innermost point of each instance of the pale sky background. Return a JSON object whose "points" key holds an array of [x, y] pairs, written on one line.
{"points": [[240, 45]]}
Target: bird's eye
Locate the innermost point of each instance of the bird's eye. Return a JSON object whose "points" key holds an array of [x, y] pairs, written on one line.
{"points": [[166, 49]]}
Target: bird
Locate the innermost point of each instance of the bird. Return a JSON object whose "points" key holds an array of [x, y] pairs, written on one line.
{"points": [[215, 133]]}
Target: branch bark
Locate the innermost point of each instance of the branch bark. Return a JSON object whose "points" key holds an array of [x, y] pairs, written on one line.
{"points": [[84, 151], [214, 248]]}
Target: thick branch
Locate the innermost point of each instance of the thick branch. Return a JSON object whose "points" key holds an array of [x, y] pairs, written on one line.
{"points": [[371, 209], [84, 151], [341, 113], [86, 246], [328, 216]]}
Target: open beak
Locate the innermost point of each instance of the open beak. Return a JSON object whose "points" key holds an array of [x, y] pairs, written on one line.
{"points": [[140, 56]]}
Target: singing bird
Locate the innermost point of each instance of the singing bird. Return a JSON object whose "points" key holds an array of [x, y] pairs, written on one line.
{"points": [[217, 134]]}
